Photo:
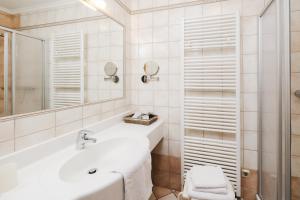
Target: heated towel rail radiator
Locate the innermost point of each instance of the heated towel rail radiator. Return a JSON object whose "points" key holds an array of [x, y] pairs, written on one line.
{"points": [[211, 94], [67, 70]]}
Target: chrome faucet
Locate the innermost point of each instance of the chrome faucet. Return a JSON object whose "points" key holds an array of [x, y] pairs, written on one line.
{"points": [[83, 139]]}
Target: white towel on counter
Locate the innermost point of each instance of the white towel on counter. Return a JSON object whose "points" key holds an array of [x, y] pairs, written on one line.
{"points": [[229, 195], [207, 177], [137, 175]]}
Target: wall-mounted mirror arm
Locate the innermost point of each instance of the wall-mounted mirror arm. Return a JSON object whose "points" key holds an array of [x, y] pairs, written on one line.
{"points": [[114, 79], [146, 79]]}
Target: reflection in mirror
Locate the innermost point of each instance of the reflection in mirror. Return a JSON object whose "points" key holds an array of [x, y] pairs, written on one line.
{"points": [[110, 70], [58, 56]]}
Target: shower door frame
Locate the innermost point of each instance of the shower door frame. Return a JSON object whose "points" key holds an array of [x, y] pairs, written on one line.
{"points": [[13, 63], [284, 156]]}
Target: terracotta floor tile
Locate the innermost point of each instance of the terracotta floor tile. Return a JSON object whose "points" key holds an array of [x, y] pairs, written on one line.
{"points": [[175, 193], [152, 197], [169, 197], [161, 192]]}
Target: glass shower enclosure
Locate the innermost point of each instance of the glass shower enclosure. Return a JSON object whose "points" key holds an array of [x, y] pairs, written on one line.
{"points": [[269, 88], [21, 73], [274, 150]]}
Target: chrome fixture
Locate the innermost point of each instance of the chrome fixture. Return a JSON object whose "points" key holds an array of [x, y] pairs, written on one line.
{"points": [[151, 69], [111, 70], [297, 93], [83, 138]]}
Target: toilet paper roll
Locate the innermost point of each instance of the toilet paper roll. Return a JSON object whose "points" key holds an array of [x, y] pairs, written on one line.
{"points": [[8, 177]]}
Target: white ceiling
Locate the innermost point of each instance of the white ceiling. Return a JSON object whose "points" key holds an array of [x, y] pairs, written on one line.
{"points": [[15, 6]]}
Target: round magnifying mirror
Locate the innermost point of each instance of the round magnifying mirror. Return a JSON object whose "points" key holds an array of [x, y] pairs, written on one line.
{"points": [[151, 68], [110, 69]]}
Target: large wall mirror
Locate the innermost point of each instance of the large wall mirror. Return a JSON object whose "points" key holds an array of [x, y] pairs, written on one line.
{"points": [[56, 55]]}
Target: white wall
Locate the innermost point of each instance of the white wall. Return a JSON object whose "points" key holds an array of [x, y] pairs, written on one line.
{"points": [[155, 36]]}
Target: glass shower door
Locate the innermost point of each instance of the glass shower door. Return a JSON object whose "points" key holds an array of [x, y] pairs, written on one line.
{"points": [[2, 88], [28, 74], [270, 105], [5, 73]]}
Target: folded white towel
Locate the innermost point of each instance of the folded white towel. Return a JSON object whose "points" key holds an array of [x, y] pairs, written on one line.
{"points": [[138, 184], [137, 173], [211, 190], [207, 177], [229, 195]]}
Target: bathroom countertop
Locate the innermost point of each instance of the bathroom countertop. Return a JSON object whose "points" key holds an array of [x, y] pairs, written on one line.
{"points": [[153, 132], [35, 180]]}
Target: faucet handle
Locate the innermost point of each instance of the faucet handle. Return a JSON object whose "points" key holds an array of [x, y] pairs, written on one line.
{"points": [[83, 138]]}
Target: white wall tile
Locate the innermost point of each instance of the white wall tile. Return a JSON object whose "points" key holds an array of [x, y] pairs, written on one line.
{"points": [[161, 34], [162, 148], [146, 98], [91, 110], [71, 126], [295, 64], [174, 115], [174, 148], [250, 140], [250, 159], [6, 147], [295, 166], [250, 63], [252, 7], [249, 83], [250, 44], [295, 140], [193, 11], [145, 4], [145, 35], [7, 130], [250, 102], [67, 116], [145, 20], [157, 3], [161, 98], [29, 140], [250, 121], [161, 18], [249, 25], [29, 125], [176, 16], [160, 50], [212, 9], [174, 132], [231, 6]]}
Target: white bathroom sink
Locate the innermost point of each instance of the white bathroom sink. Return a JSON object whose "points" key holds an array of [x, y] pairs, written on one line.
{"points": [[104, 157]]}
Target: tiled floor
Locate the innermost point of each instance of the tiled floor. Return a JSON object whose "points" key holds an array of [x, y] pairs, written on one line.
{"points": [[160, 193]]}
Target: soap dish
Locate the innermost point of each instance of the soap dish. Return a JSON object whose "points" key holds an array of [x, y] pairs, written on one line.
{"points": [[147, 122]]}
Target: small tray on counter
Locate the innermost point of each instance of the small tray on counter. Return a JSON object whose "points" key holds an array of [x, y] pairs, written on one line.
{"points": [[146, 122]]}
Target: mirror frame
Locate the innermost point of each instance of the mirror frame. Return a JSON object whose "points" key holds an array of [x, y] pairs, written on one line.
{"points": [[18, 31]]}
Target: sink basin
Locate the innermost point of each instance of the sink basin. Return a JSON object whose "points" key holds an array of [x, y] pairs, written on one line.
{"points": [[104, 157]]}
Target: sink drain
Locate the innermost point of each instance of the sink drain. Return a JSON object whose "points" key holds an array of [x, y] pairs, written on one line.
{"points": [[92, 171]]}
